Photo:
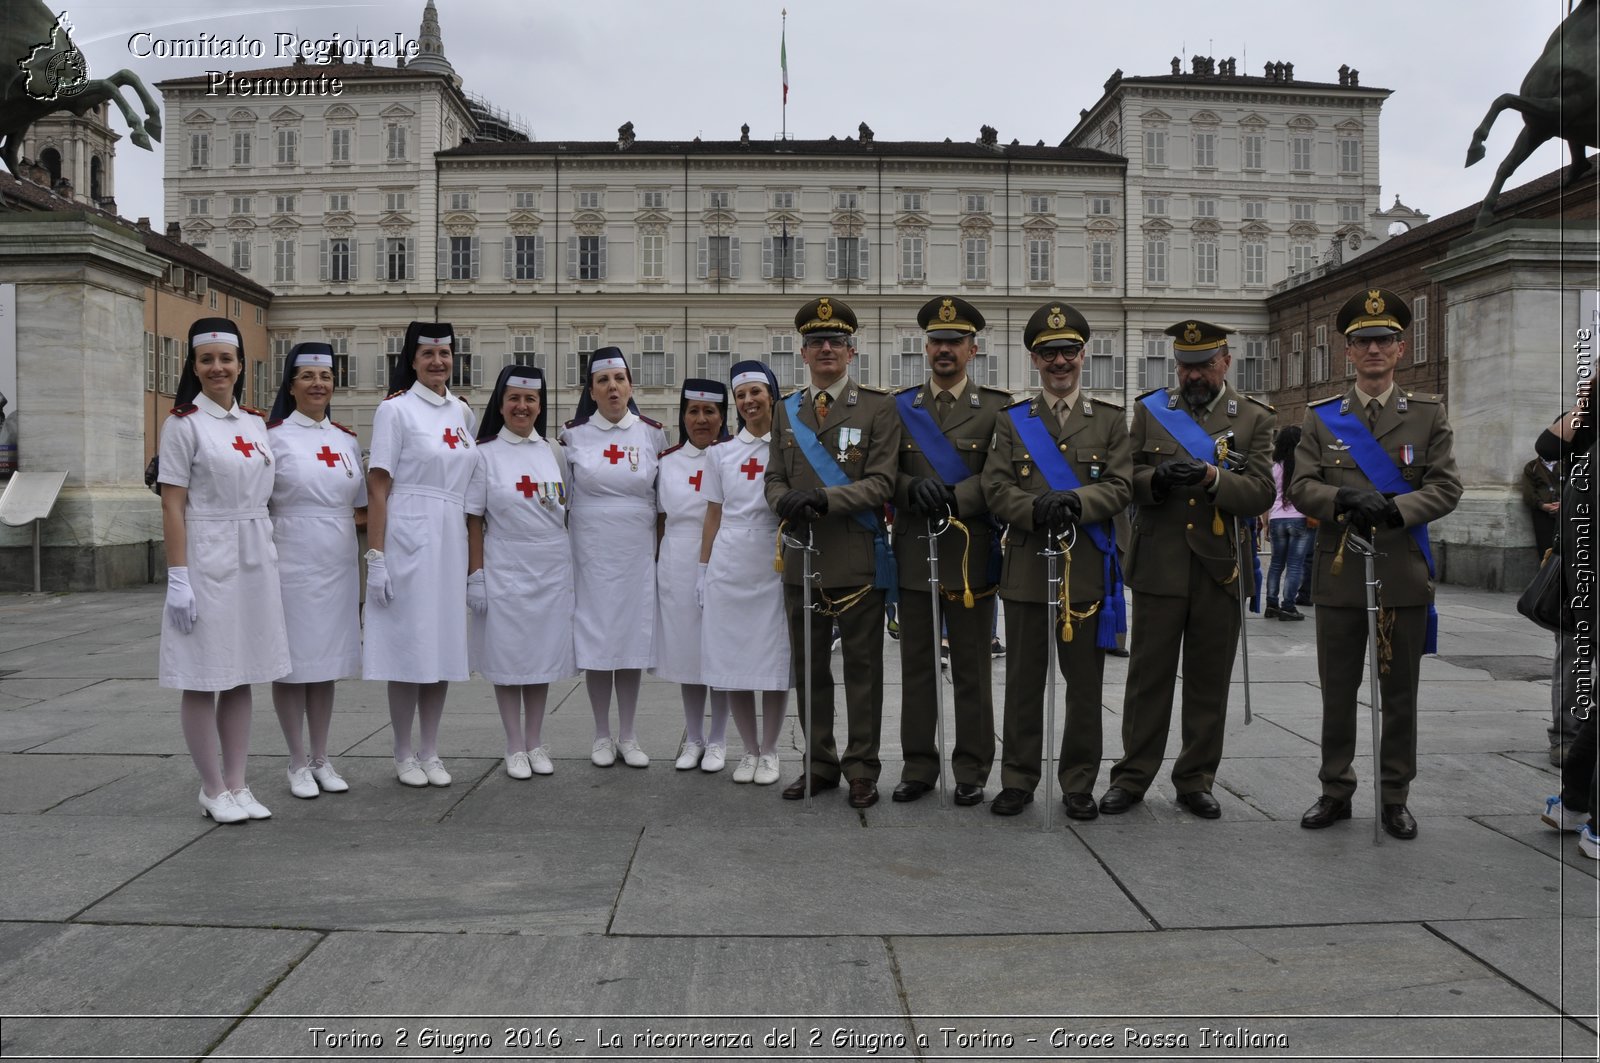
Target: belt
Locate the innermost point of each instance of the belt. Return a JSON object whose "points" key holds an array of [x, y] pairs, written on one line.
{"points": [[256, 513], [314, 511], [429, 492]]}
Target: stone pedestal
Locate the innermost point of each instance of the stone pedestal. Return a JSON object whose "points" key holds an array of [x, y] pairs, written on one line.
{"points": [[1514, 299], [81, 283]]}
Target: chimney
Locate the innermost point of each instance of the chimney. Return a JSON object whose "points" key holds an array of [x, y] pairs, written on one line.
{"points": [[625, 136], [173, 231], [143, 225], [866, 133], [744, 133], [1288, 71], [988, 136], [1355, 78], [1177, 66]]}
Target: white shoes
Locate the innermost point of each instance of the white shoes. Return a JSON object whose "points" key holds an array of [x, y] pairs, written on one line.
{"points": [[604, 753], [222, 808], [301, 784], [716, 756], [632, 755], [518, 766], [433, 770], [746, 769], [766, 769], [690, 757], [539, 760], [1589, 843], [1561, 817], [328, 780], [247, 801], [410, 772]]}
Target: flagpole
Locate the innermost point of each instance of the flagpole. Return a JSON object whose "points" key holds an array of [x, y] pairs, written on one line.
{"points": [[783, 59]]}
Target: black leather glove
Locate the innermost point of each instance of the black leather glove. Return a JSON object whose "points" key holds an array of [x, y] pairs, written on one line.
{"points": [[1175, 472], [817, 503], [793, 504], [930, 496], [1365, 505], [1053, 509], [1071, 507]]}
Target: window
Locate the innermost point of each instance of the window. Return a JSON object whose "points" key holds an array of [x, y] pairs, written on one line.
{"points": [[1102, 366], [399, 262], [1349, 213], [1302, 211], [718, 258], [261, 316], [468, 369], [283, 260], [340, 342], [589, 199], [1155, 147], [911, 366], [243, 205], [1250, 374], [847, 201], [1254, 209], [241, 148], [783, 256], [783, 201], [585, 341], [1419, 330], [911, 201], [1319, 355], [719, 200], [338, 259], [339, 203], [394, 201], [199, 205], [283, 204], [1039, 252], [1301, 258], [1102, 261], [1157, 369], [1300, 152], [241, 256], [1155, 204], [288, 141], [1349, 155], [653, 256], [1155, 260], [150, 361], [1100, 206], [1205, 207], [339, 144], [847, 258], [237, 309], [1038, 204], [977, 203], [394, 140], [463, 263], [983, 369], [719, 353], [526, 200], [1255, 262], [524, 348], [1253, 144], [171, 367], [1205, 150], [586, 258], [213, 294], [199, 151], [1205, 262], [1295, 371], [525, 258], [785, 366], [261, 385], [653, 368], [460, 200], [975, 259], [392, 344], [912, 267]]}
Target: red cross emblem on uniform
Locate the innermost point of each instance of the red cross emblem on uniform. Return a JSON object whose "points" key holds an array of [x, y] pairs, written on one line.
{"points": [[752, 468], [450, 437], [614, 452], [694, 480], [243, 447], [329, 456], [526, 486]]}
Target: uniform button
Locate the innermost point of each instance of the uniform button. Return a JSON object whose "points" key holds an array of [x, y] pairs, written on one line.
{"points": [[1189, 526], [1192, 502]]}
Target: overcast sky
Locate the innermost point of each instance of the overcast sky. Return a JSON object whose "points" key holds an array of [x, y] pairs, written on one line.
{"points": [[922, 70]]}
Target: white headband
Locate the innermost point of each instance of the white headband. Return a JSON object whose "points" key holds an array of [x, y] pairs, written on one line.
{"points": [[213, 337], [523, 382], [313, 358], [703, 396], [433, 341], [610, 362], [751, 377]]}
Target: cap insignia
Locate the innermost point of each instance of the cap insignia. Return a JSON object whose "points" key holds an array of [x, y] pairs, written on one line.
{"points": [[1056, 319], [824, 309], [1191, 333], [947, 311], [1375, 302]]}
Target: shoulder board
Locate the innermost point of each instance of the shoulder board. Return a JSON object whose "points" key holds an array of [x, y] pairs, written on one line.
{"points": [[341, 427], [724, 439], [575, 422], [274, 424], [669, 450], [1324, 402], [1152, 391], [652, 423], [396, 394], [464, 402], [252, 410], [1417, 396], [911, 387], [485, 442], [871, 389], [991, 389], [185, 410], [1103, 402], [796, 391], [1263, 404], [1020, 402]]}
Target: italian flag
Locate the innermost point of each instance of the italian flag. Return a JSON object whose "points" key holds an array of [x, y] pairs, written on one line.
{"points": [[783, 60]]}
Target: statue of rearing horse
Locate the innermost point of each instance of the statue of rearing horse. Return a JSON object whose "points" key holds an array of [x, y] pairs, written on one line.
{"points": [[1558, 99]]}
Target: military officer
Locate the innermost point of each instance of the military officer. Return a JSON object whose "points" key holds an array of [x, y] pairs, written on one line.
{"points": [[1381, 460], [1059, 459], [948, 424], [832, 467], [1202, 460]]}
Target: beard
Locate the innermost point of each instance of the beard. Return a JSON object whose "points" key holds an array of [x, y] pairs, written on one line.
{"points": [[1199, 393]]}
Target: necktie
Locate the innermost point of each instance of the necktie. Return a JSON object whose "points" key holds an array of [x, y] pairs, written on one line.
{"points": [[1374, 408], [1062, 412], [820, 404], [942, 406]]}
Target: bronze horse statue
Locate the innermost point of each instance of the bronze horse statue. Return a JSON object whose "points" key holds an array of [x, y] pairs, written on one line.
{"points": [[42, 71], [1558, 99]]}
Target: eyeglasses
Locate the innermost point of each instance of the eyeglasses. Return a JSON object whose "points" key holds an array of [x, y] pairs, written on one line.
{"points": [[1071, 354], [818, 343], [1381, 342], [1200, 367]]}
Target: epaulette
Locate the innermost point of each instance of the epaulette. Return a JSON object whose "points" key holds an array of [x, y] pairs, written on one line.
{"points": [[396, 394], [1265, 405], [994, 390], [1413, 396], [910, 387], [721, 439], [252, 411], [485, 442], [1021, 402], [669, 450], [464, 402], [1324, 402], [652, 423], [1103, 402], [274, 424], [185, 410], [1152, 391], [796, 391], [575, 422], [869, 387], [341, 427]]}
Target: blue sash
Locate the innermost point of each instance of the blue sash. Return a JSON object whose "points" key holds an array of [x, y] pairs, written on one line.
{"points": [[1185, 429], [829, 472], [1057, 472], [1378, 467], [946, 461]]}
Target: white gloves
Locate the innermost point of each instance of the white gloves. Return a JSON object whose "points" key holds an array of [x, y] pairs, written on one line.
{"points": [[180, 600], [700, 587], [379, 589], [477, 594]]}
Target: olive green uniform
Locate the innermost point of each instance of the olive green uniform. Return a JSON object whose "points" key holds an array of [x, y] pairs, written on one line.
{"points": [[968, 422], [1095, 443], [844, 562], [1322, 465], [1185, 582]]}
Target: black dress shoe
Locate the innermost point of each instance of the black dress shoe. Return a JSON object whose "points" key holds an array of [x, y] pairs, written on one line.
{"points": [[1290, 613], [911, 789], [1326, 812], [1080, 806], [1009, 802], [1116, 652], [1117, 801], [863, 793], [1399, 822], [969, 793], [797, 789], [1201, 804], [1270, 612]]}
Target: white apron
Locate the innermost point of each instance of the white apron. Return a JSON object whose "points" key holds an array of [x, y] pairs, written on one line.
{"points": [[746, 644], [680, 494]]}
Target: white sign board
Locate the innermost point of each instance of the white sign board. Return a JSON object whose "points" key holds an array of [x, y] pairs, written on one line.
{"points": [[30, 496]]}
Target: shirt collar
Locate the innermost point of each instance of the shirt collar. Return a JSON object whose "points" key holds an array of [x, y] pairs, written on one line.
{"points": [[508, 436], [202, 402], [433, 397], [1212, 405], [1063, 404], [1381, 400], [955, 393], [629, 419], [746, 437], [834, 390], [296, 417]]}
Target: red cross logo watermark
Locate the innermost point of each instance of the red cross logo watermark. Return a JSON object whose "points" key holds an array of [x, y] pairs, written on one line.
{"points": [[329, 456], [694, 480], [451, 438], [614, 452], [752, 468], [243, 447], [526, 486]]}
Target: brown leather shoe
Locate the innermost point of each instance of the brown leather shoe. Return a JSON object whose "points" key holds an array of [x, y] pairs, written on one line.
{"points": [[863, 793], [797, 789]]}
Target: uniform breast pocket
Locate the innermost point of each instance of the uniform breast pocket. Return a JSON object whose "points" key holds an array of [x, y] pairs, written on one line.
{"points": [[1414, 474], [1092, 460], [1159, 450]]}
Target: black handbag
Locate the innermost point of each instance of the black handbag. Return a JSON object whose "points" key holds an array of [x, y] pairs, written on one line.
{"points": [[1543, 600]]}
